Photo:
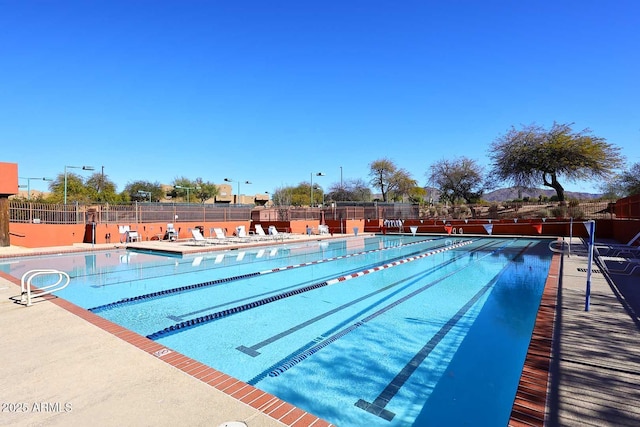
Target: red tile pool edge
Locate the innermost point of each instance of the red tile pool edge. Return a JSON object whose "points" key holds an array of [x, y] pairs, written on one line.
{"points": [[530, 402], [528, 408], [264, 402], [239, 390]]}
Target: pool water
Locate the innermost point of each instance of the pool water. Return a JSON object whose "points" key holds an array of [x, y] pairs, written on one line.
{"points": [[381, 331]]}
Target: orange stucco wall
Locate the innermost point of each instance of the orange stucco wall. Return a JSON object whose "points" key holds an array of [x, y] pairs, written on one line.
{"points": [[8, 178], [46, 235]]}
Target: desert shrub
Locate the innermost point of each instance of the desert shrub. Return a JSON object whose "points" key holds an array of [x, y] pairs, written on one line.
{"points": [[493, 211], [461, 212], [576, 212]]}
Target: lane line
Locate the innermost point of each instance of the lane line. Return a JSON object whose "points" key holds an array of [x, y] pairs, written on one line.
{"points": [[180, 289], [377, 407], [198, 321]]}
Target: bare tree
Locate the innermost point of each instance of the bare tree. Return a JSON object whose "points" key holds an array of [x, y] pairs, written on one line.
{"points": [[457, 179], [381, 173]]}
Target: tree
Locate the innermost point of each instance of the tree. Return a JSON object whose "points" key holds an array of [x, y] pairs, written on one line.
{"points": [[140, 190], [417, 195], [297, 196], [282, 196], [76, 189], [204, 190], [457, 179], [534, 155], [102, 189], [401, 184], [359, 190], [354, 190], [184, 188], [381, 173], [630, 180]]}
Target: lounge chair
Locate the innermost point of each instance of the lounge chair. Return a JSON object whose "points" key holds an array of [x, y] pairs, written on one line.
{"points": [[261, 234], [273, 231], [199, 239], [620, 265], [171, 234], [323, 229], [221, 237], [241, 234], [620, 249], [124, 232]]}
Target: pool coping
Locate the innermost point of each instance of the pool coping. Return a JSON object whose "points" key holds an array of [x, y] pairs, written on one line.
{"points": [[529, 405]]}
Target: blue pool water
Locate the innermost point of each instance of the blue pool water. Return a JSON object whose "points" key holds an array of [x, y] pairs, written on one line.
{"points": [[380, 331]]}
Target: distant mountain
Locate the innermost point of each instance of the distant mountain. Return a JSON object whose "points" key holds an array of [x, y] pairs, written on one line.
{"points": [[511, 193]]}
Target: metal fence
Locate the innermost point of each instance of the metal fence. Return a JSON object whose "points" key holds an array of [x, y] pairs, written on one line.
{"points": [[21, 211], [25, 212]]}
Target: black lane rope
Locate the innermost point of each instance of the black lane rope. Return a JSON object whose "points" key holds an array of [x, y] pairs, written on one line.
{"points": [[286, 288], [252, 350], [313, 347], [185, 288], [146, 269], [224, 313], [378, 405]]}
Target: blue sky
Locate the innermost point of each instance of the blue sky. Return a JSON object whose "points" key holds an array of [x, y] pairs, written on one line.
{"points": [[272, 92]]}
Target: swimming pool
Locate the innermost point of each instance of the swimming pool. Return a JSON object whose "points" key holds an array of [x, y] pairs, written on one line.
{"points": [[379, 330]]}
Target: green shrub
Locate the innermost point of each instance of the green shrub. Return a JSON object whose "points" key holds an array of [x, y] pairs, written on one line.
{"points": [[559, 212]]}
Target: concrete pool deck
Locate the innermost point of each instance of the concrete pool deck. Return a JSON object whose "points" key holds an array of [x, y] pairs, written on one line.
{"points": [[58, 369]]}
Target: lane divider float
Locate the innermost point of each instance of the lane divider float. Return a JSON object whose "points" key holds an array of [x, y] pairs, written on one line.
{"points": [[185, 288], [238, 309]]}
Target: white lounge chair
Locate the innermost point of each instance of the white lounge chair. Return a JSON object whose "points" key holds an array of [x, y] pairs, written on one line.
{"points": [[171, 234], [273, 231], [323, 229], [241, 234], [261, 234], [222, 237], [199, 239]]}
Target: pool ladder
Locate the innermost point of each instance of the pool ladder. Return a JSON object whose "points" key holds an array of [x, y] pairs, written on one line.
{"points": [[28, 293]]}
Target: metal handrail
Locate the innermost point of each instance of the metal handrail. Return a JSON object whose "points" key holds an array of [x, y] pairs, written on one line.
{"points": [[25, 284]]}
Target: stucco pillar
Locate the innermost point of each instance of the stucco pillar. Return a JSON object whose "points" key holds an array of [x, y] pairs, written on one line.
{"points": [[8, 187]]}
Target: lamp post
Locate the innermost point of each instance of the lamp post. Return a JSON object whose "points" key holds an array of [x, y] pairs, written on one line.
{"points": [[29, 184], [84, 168], [145, 193], [187, 188], [238, 197], [316, 174]]}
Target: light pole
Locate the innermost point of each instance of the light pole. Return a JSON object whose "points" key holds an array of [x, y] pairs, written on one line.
{"points": [[340, 177], [84, 168], [187, 188], [145, 193], [238, 197], [316, 174], [29, 184]]}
